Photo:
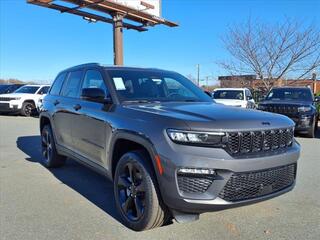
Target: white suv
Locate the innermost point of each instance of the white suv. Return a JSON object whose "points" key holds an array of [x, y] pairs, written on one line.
{"points": [[24, 100], [236, 97]]}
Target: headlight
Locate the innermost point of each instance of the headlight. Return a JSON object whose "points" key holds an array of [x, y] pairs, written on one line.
{"points": [[196, 138], [16, 98], [262, 107], [304, 109]]}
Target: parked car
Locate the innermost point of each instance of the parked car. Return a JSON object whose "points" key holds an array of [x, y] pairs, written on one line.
{"points": [[23, 100], [9, 88], [236, 97], [297, 103], [168, 148]]}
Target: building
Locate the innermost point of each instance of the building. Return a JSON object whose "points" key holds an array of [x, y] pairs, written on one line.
{"points": [[251, 81]]}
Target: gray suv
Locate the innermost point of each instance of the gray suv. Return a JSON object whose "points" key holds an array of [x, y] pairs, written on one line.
{"points": [[170, 151]]}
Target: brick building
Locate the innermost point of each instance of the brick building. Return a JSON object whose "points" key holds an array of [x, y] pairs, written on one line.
{"points": [[251, 81]]}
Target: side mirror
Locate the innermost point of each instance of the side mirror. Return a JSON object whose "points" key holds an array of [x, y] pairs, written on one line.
{"points": [[95, 95], [249, 97], [317, 99]]}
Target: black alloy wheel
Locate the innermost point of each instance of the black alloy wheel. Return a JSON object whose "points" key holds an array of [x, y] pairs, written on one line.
{"points": [[50, 156], [131, 191], [46, 146], [136, 192]]}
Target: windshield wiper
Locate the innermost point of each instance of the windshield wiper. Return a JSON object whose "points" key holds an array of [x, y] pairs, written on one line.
{"points": [[190, 100]]}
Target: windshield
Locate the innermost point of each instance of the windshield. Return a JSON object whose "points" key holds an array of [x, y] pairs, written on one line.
{"points": [[162, 86], [228, 94], [27, 89], [297, 94]]}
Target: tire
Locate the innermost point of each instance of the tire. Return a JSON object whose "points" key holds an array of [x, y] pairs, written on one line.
{"points": [[27, 109], [50, 156], [138, 201], [312, 130]]}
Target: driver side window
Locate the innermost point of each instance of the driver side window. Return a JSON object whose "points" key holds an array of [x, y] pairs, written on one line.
{"points": [[94, 79]]}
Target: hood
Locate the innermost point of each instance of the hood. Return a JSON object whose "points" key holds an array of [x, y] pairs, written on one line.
{"points": [[15, 95], [230, 102], [212, 116]]}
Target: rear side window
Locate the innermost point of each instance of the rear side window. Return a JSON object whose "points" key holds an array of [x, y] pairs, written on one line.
{"points": [[56, 87], [71, 86], [44, 90], [248, 94]]}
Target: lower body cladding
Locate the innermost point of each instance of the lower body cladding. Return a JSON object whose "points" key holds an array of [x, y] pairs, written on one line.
{"points": [[6, 107], [212, 180]]}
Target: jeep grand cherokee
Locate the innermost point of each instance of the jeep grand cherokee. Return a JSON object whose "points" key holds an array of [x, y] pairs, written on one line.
{"points": [[168, 148], [298, 104]]}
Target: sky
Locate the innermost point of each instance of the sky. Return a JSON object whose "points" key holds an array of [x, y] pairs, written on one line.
{"points": [[36, 43]]}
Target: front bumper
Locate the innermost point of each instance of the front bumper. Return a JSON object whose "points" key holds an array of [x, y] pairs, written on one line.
{"points": [[225, 166], [8, 107], [303, 122]]}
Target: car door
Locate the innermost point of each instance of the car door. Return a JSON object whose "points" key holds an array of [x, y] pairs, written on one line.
{"points": [[66, 108], [91, 129]]}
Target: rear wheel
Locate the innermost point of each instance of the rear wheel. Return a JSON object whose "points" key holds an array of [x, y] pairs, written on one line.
{"points": [[50, 156], [136, 195], [27, 109]]}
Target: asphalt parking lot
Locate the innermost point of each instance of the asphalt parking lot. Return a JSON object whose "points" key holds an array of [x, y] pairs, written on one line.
{"points": [[76, 203]]}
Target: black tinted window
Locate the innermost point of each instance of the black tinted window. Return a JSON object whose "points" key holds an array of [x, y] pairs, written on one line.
{"points": [[94, 79], [228, 94], [44, 90], [71, 86], [28, 89], [155, 86], [56, 87], [300, 94]]}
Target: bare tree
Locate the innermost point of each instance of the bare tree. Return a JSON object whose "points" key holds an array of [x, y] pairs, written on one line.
{"points": [[272, 52]]}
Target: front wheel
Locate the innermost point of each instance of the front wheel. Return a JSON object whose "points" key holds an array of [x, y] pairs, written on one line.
{"points": [[27, 109], [136, 195], [312, 130]]}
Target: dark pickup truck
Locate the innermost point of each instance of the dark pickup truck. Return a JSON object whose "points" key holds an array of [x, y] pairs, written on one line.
{"points": [[298, 104]]}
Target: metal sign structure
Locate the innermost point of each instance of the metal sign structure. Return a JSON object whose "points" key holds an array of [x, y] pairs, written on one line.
{"points": [[129, 14]]}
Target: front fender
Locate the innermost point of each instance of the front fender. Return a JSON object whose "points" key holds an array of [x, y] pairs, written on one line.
{"points": [[134, 137]]}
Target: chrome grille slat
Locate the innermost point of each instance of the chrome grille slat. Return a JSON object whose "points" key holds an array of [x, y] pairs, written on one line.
{"points": [[5, 99], [258, 141]]}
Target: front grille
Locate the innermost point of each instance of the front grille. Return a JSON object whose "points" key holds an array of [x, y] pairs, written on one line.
{"points": [[192, 183], [258, 141], [282, 109], [5, 99], [248, 185]]}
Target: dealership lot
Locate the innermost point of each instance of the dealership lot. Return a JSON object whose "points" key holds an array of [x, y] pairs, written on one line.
{"points": [[75, 203]]}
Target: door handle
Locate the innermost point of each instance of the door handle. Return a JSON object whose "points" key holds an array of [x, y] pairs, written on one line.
{"points": [[56, 102], [77, 107]]}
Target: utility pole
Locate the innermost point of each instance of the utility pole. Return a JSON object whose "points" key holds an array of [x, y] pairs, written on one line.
{"points": [[118, 39], [314, 78], [198, 74]]}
